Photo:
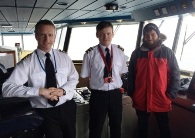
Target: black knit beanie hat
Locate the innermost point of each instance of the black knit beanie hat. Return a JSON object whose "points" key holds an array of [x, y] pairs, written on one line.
{"points": [[150, 27]]}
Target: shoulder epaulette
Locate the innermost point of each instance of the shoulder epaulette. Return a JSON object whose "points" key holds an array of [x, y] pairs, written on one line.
{"points": [[88, 50], [27, 56], [120, 48], [62, 51]]}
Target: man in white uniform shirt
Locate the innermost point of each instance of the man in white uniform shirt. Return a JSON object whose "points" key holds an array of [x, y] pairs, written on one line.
{"points": [[102, 66], [59, 119]]}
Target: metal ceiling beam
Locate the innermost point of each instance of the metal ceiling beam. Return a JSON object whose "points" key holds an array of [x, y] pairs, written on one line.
{"points": [[96, 19]]}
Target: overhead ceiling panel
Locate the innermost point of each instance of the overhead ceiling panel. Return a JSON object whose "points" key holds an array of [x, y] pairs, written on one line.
{"points": [[153, 2], [14, 24], [22, 30], [89, 14], [3, 22], [75, 15], [120, 2], [2, 30], [24, 13], [22, 24], [135, 5], [37, 14], [125, 14], [127, 4], [117, 14], [17, 30], [2, 17], [30, 28], [31, 25], [52, 14], [69, 2], [64, 14], [45, 3], [7, 2], [9, 13], [24, 3], [101, 14], [81, 4], [97, 4]]}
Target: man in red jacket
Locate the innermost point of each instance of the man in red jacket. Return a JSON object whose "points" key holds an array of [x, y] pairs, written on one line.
{"points": [[154, 81]]}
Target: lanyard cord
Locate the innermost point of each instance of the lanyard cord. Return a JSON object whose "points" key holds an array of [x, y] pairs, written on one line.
{"points": [[55, 68], [104, 59]]}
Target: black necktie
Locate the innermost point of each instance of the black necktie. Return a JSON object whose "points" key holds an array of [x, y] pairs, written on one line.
{"points": [[108, 63], [107, 57], [50, 76]]}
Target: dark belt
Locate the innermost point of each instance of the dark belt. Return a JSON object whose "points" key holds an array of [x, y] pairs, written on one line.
{"points": [[105, 90]]}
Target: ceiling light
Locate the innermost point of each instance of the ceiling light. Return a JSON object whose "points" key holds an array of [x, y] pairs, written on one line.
{"points": [[83, 23], [6, 25], [57, 25], [111, 7], [11, 31], [62, 3], [120, 20], [31, 23], [123, 7]]}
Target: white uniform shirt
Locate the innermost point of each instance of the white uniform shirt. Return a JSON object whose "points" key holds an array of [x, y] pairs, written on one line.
{"points": [[32, 69], [93, 67]]}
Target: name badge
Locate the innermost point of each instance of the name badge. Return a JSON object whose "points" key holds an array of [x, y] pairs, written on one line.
{"points": [[108, 80]]}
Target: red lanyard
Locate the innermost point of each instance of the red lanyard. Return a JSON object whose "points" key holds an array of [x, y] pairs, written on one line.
{"points": [[104, 59]]}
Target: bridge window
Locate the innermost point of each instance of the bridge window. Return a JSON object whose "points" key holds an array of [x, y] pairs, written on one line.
{"points": [[1, 40], [14, 39], [84, 37], [57, 39], [60, 37], [30, 42], [186, 46], [168, 27], [126, 36], [81, 39]]}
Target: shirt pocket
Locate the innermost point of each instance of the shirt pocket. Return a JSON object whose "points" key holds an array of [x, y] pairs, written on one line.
{"points": [[117, 67], [38, 79], [95, 63], [61, 76], [97, 67]]}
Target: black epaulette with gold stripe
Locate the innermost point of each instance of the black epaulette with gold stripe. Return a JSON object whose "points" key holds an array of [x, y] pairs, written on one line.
{"points": [[27, 56], [88, 50], [120, 48], [62, 51]]}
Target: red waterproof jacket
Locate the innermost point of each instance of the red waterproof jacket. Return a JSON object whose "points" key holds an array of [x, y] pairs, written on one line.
{"points": [[153, 79]]}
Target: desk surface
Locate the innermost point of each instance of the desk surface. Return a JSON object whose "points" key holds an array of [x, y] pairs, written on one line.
{"points": [[184, 102]]}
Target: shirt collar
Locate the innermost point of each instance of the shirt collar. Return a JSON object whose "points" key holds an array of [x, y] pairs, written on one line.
{"points": [[104, 47], [41, 53]]}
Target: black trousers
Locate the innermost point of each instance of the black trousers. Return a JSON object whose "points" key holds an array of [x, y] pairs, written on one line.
{"points": [[60, 121], [162, 120], [104, 103]]}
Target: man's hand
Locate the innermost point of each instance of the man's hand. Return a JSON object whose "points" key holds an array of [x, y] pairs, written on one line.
{"points": [[57, 91], [51, 93]]}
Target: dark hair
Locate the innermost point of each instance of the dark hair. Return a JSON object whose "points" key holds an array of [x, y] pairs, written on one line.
{"points": [[43, 22], [103, 24]]}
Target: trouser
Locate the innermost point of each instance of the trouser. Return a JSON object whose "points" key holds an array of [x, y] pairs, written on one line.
{"points": [[103, 103], [162, 120], [60, 121]]}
